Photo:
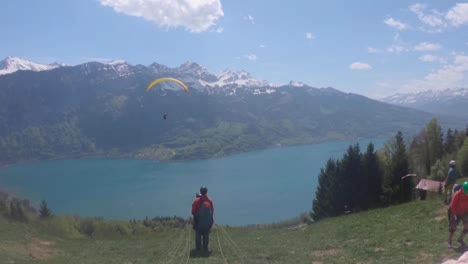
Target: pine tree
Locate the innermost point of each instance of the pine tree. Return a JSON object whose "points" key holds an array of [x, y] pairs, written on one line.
{"points": [[373, 178], [350, 180], [324, 202], [44, 211], [401, 189]]}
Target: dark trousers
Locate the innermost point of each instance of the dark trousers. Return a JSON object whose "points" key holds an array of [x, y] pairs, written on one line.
{"points": [[202, 236]]}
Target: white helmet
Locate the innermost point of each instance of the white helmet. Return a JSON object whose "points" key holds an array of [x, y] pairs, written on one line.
{"points": [[452, 162]]}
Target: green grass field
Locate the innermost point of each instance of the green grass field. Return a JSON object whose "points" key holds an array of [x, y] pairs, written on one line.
{"points": [[411, 233]]}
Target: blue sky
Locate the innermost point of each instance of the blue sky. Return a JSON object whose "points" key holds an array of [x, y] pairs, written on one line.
{"points": [[369, 47]]}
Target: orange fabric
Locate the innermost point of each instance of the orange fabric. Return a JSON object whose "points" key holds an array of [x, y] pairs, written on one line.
{"points": [[459, 204], [196, 203]]}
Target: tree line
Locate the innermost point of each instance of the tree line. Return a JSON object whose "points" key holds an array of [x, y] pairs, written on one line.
{"points": [[21, 210], [361, 181]]}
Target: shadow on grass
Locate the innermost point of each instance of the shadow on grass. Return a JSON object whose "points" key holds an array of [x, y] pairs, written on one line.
{"points": [[199, 253], [461, 249]]}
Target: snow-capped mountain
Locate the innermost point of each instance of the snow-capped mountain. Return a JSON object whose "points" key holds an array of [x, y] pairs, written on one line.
{"points": [[120, 67], [296, 84], [192, 68], [235, 78], [199, 78], [13, 64], [449, 101]]}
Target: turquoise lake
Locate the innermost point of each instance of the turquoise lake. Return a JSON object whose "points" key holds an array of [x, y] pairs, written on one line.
{"points": [[250, 188]]}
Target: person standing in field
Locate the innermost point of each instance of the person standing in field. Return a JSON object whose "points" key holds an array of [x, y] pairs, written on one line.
{"points": [[450, 180], [459, 212], [203, 210]]}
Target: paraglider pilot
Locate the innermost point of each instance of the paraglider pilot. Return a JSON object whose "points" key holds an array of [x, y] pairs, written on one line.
{"points": [[202, 210]]}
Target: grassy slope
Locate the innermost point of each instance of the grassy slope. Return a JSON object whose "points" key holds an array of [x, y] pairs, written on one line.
{"points": [[411, 233]]}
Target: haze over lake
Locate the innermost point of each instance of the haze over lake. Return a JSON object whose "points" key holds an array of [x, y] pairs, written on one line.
{"points": [[250, 188]]}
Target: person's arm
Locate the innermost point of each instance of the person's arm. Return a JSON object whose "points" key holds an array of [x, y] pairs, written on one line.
{"points": [[195, 206]]}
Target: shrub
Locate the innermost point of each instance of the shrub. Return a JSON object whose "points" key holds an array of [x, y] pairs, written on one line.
{"points": [[44, 211], [111, 230], [62, 226], [87, 226]]}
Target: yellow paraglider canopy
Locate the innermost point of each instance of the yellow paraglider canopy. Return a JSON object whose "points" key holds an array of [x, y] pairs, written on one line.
{"points": [[153, 83]]}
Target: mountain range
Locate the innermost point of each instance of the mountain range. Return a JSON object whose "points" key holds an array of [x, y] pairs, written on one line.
{"points": [[103, 109], [450, 102]]}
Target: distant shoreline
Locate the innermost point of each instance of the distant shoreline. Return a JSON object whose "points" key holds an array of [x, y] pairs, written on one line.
{"points": [[135, 155]]}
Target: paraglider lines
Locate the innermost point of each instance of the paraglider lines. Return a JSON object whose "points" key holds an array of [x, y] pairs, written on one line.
{"points": [[233, 244], [188, 245], [173, 251], [219, 244]]}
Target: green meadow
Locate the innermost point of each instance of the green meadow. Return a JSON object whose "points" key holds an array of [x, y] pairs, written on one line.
{"points": [[415, 232]]}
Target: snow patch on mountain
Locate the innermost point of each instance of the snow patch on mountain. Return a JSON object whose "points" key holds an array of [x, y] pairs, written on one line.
{"points": [[427, 96], [263, 91], [296, 84], [193, 69], [13, 64], [237, 78], [120, 67]]}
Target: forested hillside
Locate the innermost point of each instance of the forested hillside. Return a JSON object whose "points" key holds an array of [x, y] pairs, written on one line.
{"points": [[376, 178]]}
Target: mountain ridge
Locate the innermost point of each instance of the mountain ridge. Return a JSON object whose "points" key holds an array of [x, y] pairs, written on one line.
{"points": [[12, 64], [103, 108], [453, 102], [193, 69]]}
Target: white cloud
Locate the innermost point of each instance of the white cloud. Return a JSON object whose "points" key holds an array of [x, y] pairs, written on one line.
{"points": [[435, 19], [309, 35], [449, 76], [458, 15], [251, 57], [396, 49], [262, 46], [250, 18], [461, 60], [194, 15], [396, 24], [431, 58], [359, 66], [220, 30], [372, 50], [425, 46]]}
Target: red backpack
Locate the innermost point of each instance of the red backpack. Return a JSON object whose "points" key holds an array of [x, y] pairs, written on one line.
{"points": [[204, 214]]}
